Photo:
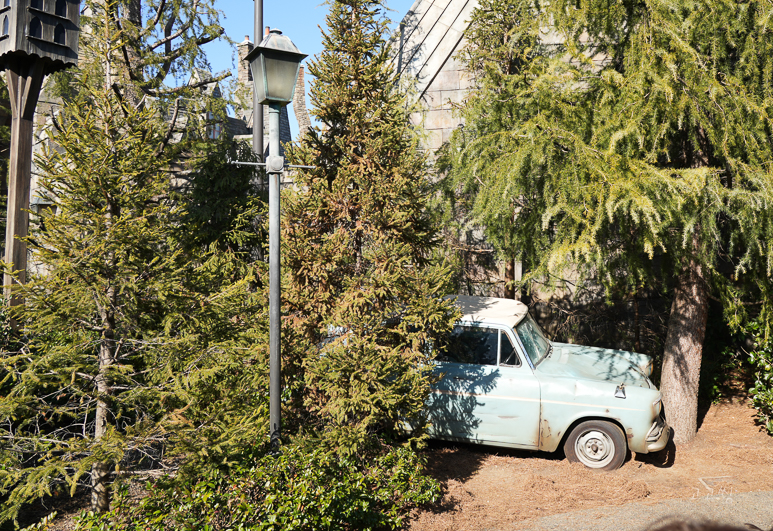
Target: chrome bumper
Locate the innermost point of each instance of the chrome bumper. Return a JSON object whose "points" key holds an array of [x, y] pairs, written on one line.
{"points": [[657, 437]]}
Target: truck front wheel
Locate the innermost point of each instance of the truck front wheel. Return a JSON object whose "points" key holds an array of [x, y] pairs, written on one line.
{"points": [[596, 444]]}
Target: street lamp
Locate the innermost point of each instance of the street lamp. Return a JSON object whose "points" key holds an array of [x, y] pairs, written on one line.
{"points": [[274, 63]]}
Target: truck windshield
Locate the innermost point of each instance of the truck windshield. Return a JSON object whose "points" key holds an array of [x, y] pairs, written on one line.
{"points": [[534, 341]]}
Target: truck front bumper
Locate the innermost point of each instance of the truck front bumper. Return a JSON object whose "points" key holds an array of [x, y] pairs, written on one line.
{"points": [[658, 436]]}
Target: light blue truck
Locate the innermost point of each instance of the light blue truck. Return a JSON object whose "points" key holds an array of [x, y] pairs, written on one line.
{"points": [[503, 383]]}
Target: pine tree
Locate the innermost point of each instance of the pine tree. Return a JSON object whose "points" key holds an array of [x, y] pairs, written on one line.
{"points": [[631, 141], [362, 294], [143, 342]]}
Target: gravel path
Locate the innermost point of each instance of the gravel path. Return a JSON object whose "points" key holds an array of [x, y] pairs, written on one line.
{"points": [[736, 509]]}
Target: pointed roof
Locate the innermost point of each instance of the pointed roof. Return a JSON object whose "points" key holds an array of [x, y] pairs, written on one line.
{"points": [[429, 35], [199, 75]]}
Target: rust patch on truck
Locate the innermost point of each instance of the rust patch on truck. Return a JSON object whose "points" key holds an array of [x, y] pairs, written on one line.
{"points": [[547, 439]]}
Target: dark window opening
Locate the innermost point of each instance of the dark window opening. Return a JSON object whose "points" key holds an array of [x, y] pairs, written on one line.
{"points": [[5, 26], [472, 344], [37, 4], [7, 3], [61, 8], [36, 28], [59, 34]]}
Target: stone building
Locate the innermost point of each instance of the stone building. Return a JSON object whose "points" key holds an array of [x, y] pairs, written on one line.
{"points": [[429, 37], [424, 54]]}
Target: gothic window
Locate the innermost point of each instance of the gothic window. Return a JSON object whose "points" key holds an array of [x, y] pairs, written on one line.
{"points": [[37, 4], [61, 8], [6, 3], [5, 25], [36, 28], [59, 34], [214, 128]]}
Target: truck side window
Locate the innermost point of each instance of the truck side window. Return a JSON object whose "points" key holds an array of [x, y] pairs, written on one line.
{"points": [[507, 355], [472, 344]]}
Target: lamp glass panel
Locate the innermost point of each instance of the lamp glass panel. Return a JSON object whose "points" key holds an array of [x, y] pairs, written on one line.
{"points": [[281, 75], [256, 67]]}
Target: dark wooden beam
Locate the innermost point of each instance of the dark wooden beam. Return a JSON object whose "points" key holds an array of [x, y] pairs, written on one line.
{"points": [[25, 79]]}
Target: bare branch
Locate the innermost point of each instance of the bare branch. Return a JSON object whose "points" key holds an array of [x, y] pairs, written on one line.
{"points": [[159, 12], [170, 129], [177, 90]]}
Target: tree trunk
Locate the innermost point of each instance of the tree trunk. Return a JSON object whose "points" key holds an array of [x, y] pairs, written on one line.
{"points": [[683, 351], [100, 472], [509, 278]]}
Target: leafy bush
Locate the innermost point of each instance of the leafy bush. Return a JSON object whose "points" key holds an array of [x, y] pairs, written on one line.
{"points": [[762, 392], [43, 525], [297, 490]]}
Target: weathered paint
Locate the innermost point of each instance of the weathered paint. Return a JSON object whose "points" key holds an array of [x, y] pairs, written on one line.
{"points": [[486, 403], [595, 364], [533, 407]]}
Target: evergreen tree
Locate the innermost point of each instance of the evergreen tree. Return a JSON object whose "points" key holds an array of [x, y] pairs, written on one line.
{"points": [[143, 339], [631, 141], [362, 294]]}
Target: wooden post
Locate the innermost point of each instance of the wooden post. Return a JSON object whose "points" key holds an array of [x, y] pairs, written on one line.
{"points": [[24, 78]]}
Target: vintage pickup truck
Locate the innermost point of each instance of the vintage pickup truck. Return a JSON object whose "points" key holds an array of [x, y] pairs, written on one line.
{"points": [[502, 382]]}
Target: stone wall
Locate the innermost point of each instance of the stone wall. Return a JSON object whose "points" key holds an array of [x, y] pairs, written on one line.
{"points": [[438, 116]]}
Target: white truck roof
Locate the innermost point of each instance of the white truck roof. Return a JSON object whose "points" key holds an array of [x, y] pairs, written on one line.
{"points": [[491, 310]]}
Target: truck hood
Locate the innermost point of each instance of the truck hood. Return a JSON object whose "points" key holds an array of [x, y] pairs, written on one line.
{"points": [[576, 361]]}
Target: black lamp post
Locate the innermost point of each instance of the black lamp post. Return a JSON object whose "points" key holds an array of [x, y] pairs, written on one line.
{"points": [[275, 63]]}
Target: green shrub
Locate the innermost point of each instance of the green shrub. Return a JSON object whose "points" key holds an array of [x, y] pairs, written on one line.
{"points": [[761, 359], [296, 490]]}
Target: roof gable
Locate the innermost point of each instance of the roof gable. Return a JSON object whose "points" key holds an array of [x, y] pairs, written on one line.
{"points": [[429, 35]]}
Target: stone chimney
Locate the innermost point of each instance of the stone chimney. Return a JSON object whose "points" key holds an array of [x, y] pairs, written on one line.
{"points": [[299, 105], [243, 71]]}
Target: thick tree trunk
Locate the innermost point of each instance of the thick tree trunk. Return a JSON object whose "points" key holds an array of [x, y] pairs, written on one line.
{"points": [[683, 352]]}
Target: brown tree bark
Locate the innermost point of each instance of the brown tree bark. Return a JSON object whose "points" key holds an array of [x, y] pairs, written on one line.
{"points": [[100, 471], [509, 278], [683, 351]]}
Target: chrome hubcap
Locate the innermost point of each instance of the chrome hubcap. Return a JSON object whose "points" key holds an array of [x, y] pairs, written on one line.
{"points": [[594, 449]]}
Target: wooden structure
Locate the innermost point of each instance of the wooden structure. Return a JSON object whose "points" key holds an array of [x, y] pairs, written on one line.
{"points": [[37, 38]]}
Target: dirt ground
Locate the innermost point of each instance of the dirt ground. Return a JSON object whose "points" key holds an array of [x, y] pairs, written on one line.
{"points": [[487, 487]]}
